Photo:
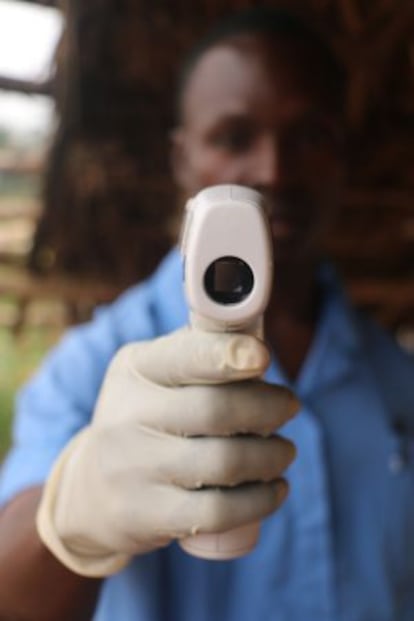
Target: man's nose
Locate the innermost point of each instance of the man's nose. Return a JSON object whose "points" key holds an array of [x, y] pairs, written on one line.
{"points": [[266, 163]]}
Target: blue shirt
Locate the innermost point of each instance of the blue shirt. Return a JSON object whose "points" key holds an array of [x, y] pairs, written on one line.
{"points": [[342, 546]]}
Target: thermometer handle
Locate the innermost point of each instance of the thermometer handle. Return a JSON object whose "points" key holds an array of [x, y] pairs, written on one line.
{"points": [[228, 265], [239, 541]]}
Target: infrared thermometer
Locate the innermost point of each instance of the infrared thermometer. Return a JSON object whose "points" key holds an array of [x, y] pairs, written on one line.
{"points": [[228, 270]]}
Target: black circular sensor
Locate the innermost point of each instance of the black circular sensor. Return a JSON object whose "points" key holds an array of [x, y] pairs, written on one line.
{"points": [[228, 280]]}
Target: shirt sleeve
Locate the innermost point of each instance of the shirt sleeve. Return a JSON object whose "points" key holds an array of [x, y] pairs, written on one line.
{"points": [[59, 400]]}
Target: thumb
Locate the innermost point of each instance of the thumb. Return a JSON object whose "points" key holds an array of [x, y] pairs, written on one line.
{"points": [[190, 356]]}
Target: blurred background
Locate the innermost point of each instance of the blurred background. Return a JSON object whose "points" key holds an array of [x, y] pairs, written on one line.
{"points": [[87, 206]]}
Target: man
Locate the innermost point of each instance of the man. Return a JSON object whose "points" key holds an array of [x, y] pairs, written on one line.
{"points": [[179, 441]]}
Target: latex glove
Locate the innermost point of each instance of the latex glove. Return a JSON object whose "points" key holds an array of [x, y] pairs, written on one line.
{"points": [[160, 461]]}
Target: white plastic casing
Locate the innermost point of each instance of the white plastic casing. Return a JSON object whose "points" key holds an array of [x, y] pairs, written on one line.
{"points": [[226, 220], [223, 221]]}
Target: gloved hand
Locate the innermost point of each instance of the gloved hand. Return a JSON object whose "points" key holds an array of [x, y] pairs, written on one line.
{"points": [[174, 436]]}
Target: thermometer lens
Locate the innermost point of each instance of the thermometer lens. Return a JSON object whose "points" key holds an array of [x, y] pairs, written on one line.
{"points": [[228, 280]]}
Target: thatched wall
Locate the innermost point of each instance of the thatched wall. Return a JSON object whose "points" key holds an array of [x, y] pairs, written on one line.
{"points": [[109, 200]]}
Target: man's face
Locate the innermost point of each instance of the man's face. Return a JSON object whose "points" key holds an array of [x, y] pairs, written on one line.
{"points": [[253, 118]]}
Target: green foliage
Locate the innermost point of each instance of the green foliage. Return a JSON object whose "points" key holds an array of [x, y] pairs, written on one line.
{"points": [[18, 358]]}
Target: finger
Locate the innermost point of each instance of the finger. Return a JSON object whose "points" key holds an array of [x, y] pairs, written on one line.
{"points": [[190, 356], [251, 407], [219, 510], [200, 462]]}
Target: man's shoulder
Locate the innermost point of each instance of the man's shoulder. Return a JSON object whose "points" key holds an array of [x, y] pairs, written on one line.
{"points": [[81, 358], [149, 308], [59, 399]]}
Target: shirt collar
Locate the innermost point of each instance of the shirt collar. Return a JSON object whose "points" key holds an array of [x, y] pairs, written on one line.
{"points": [[336, 341], [335, 344], [337, 314]]}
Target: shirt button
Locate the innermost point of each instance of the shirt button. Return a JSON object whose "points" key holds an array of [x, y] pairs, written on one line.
{"points": [[397, 462]]}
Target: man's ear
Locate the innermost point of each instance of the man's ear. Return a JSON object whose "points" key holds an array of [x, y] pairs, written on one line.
{"points": [[179, 161]]}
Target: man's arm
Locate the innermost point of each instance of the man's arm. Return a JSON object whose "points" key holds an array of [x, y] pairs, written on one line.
{"points": [[34, 586]]}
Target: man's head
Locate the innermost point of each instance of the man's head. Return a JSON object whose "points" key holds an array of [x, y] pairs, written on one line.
{"points": [[259, 104]]}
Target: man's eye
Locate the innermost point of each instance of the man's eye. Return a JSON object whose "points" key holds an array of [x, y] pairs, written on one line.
{"points": [[234, 140]]}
